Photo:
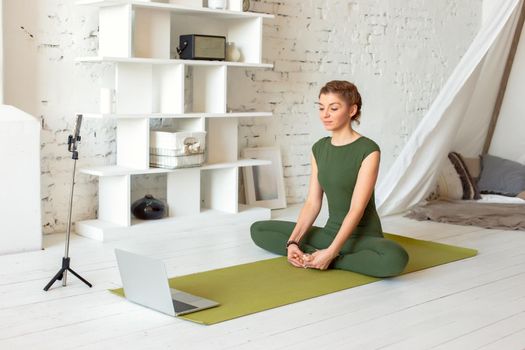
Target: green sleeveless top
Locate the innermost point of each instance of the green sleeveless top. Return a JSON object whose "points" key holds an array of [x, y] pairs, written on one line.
{"points": [[338, 167]]}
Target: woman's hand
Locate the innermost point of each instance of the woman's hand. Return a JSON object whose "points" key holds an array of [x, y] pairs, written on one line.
{"points": [[295, 256], [320, 259]]}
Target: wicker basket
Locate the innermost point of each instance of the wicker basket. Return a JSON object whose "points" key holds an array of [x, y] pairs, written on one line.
{"points": [[177, 149]]}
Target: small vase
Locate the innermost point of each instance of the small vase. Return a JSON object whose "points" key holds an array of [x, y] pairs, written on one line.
{"points": [[217, 4], [232, 52], [148, 208]]}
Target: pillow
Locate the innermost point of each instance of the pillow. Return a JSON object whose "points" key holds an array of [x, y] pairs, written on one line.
{"points": [[501, 176], [455, 180], [473, 166], [448, 183], [470, 189]]}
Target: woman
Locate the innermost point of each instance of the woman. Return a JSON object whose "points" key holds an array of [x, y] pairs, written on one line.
{"points": [[345, 167]]}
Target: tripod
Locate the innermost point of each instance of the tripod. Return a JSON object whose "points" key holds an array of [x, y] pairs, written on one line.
{"points": [[62, 273]]}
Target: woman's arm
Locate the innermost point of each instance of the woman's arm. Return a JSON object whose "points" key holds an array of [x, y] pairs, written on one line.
{"points": [[311, 207], [364, 187]]}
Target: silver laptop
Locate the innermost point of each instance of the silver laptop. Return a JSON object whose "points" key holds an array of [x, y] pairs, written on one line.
{"points": [[145, 282]]}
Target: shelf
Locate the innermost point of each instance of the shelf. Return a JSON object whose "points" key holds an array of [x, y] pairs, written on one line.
{"points": [[139, 38], [139, 60], [115, 170], [177, 116], [179, 9], [105, 231], [239, 163]]}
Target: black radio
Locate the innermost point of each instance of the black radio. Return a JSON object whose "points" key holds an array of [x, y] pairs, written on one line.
{"points": [[202, 47]]}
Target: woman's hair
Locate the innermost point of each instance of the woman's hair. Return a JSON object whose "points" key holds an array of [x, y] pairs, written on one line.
{"points": [[348, 93]]}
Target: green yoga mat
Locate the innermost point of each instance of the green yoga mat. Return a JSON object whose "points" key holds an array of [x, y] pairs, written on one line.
{"points": [[245, 289]]}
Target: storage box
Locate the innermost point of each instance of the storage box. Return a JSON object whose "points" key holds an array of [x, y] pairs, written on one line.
{"points": [[177, 149]]}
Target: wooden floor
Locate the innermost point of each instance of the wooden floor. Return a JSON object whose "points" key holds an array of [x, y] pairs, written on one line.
{"points": [[477, 303]]}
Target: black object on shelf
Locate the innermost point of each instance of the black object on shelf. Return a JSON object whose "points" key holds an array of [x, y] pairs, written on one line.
{"points": [[148, 208], [202, 47]]}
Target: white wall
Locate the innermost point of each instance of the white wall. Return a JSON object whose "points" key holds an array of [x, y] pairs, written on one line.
{"points": [[20, 207], [42, 38], [1, 52], [398, 52], [508, 140], [488, 8]]}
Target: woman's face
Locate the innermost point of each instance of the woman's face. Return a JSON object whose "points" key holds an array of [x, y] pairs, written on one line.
{"points": [[335, 113]]}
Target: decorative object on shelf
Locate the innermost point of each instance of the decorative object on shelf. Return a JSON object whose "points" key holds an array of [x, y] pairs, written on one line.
{"points": [[217, 4], [107, 100], [202, 47], [177, 149], [233, 54], [264, 184], [148, 208], [238, 5], [235, 5]]}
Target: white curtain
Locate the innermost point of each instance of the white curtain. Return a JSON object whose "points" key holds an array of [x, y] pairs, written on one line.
{"points": [[458, 118]]}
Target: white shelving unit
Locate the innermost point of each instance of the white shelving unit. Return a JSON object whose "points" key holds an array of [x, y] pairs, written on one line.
{"points": [[137, 37]]}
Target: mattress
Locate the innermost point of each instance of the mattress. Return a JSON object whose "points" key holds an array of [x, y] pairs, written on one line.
{"points": [[496, 198]]}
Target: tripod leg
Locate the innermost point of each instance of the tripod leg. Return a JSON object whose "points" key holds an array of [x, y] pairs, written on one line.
{"points": [[78, 276], [58, 276]]}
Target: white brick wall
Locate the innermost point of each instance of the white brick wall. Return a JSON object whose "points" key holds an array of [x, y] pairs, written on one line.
{"points": [[399, 54]]}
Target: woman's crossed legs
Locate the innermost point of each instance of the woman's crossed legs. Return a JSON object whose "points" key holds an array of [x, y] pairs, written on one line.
{"points": [[369, 255]]}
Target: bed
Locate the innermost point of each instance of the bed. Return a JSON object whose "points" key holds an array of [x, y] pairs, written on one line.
{"points": [[491, 211], [486, 191]]}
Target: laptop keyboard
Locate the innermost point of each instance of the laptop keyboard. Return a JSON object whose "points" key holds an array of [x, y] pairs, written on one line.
{"points": [[181, 307]]}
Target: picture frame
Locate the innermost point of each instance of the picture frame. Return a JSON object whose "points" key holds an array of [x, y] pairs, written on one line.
{"points": [[264, 184]]}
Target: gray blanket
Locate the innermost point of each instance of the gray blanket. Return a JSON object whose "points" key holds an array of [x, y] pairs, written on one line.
{"points": [[488, 215]]}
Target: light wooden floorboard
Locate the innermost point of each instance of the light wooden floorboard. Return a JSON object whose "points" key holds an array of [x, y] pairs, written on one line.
{"points": [[476, 303]]}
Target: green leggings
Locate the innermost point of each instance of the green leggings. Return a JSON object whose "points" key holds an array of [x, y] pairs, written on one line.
{"points": [[369, 255]]}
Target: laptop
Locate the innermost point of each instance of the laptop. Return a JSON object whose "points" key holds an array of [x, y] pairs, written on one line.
{"points": [[145, 282]]}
